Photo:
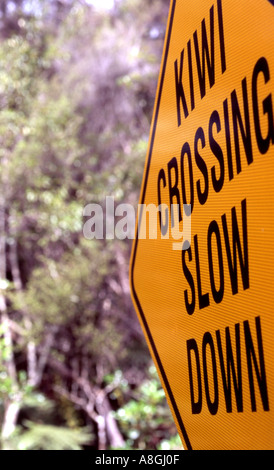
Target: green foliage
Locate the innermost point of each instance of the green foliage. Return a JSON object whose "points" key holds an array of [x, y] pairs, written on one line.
{"points": [[6, 385], [47, 437], [146, 419], [174, 443]]}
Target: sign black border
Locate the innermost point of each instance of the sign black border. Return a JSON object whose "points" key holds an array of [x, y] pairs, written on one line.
{"points": [[148, 332]]}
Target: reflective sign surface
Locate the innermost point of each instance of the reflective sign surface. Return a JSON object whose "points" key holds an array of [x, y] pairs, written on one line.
{"points": [[205, 300]]}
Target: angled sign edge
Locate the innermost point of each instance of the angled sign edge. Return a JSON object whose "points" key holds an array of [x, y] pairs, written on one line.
{"points": [[143, 193]]}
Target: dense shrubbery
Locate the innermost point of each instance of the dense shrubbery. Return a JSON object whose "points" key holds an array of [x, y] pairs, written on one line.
{"points": [[76, 96]]}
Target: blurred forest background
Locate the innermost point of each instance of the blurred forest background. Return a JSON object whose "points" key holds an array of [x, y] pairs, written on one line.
{"points": [[77, 88]]}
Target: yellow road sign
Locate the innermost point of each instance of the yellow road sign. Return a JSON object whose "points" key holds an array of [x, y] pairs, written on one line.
{"points": [[205, 300]]}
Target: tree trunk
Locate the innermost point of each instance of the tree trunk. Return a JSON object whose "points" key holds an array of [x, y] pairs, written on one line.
{"points": [[115, 437], [11, 406], [112, 432], [9, 422]]}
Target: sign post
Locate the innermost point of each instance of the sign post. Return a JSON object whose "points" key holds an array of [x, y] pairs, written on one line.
{"points": [[202, 267]]}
